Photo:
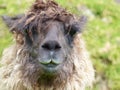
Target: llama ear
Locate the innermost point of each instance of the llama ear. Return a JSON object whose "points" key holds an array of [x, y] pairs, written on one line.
{"points": [[10, 21]]}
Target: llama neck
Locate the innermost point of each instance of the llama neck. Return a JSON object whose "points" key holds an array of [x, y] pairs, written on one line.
{"points": [[71, 84]]}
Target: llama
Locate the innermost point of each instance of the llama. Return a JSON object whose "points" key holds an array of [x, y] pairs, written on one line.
{"points": [[49, 52]]}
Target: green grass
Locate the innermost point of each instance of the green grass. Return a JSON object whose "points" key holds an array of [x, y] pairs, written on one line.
{"points": [[102, 34]]}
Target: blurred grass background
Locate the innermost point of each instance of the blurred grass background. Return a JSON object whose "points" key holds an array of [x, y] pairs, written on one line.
{"points": [[102, 34]]}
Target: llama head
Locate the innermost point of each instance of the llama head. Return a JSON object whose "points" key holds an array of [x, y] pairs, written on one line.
{"points": [[47, 34]]}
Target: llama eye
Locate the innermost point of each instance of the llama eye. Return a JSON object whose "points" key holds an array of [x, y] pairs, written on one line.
{"points": [[27, 36], [72, 31], [25, 32]]}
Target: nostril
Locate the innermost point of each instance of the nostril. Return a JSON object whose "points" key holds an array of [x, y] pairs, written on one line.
{"points": [[57, 46], [51, 45], [46, 46]]}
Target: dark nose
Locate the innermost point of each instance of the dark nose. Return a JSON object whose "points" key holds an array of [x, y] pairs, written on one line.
{"points": [[51, 45]]}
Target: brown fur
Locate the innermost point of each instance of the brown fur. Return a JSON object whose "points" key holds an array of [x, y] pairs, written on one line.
{"points": [[17, 73]]}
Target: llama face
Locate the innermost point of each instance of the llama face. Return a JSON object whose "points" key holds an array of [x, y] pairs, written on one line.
{"points": [[52, 43], [49, 42]]}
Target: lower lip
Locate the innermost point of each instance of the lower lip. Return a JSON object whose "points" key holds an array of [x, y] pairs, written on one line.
{"points": [[51, 68], [51, 65]]}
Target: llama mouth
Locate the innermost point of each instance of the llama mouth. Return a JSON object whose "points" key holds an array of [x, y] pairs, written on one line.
{"points": [[50, 64]]}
